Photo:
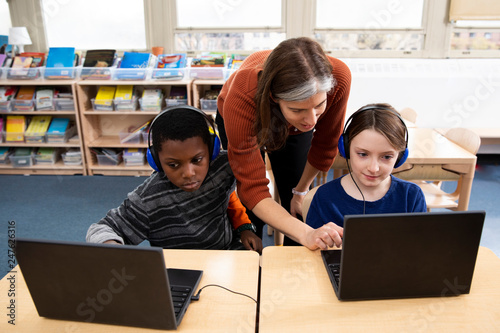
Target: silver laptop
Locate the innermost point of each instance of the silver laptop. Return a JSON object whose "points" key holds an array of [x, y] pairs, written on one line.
{"points": [[405, 255], [101, 283]]}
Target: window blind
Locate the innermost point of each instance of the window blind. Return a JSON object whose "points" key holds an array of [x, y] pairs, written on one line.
{"points": [[474, 10]]}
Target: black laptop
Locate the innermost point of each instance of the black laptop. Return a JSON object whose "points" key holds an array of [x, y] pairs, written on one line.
{"points": [[102, 283], [405, 255]]}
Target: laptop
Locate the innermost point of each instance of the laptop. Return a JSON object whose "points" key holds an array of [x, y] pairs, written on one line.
{"points": [[405, 255], [103, 283]]}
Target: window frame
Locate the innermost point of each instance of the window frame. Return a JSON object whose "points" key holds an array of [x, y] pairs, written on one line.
{"points": [[298, 19]]}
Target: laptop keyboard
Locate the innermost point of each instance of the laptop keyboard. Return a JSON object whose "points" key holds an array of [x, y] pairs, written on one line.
{"points": [[335, 270], [180, 296]]}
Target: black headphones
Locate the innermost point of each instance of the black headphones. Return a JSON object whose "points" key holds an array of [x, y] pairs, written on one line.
{"points": [[213, 145], [343, 144]]}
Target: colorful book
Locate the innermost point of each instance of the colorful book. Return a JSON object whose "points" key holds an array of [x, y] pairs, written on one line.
{"points": [[2, 59], [124, 92], [99, 58], [133, 66], [166, 65], [7, 93], [44, 99], [37, 128], [22, 62], [14, 128], [60, 63], [38, 58], [105, 96]]}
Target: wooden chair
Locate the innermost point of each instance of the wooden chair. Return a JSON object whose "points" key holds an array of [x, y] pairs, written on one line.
{"points": [[278, 236], [307, 201], [435, 197]]}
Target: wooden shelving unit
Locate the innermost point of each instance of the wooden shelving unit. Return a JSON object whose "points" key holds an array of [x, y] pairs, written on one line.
{"points": [[199, 89], [59, 168], [101, 128]]}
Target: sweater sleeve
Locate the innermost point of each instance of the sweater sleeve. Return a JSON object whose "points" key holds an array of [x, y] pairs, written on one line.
{"points": [[237, 212], [127, 224], [237, 106]]}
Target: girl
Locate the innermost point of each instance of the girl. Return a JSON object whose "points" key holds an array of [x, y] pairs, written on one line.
{"points": [[374, 143]]}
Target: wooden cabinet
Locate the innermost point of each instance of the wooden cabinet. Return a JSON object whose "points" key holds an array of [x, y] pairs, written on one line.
{"points": [[200, 87], [101, 129], [59, 168]]}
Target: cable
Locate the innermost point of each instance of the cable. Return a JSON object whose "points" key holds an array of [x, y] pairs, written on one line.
{"points": [[350, 173], [197, 296]]}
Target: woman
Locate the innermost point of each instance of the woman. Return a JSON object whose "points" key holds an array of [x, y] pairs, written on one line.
{"points": [[289, 102]]}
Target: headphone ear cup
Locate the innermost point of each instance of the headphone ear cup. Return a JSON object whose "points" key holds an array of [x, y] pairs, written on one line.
{"points": [[215, 148], [151, 159], [402, 160], [341, 146]]}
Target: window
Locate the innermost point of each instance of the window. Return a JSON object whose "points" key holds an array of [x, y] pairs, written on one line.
{"points": [[227, 25], [358, 25], [5, 23], [475, 36], [94, 24]]}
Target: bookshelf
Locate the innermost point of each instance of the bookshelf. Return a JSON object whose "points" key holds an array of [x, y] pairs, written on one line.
{"points": [[101, 129], [59, 168], [200, 87]]}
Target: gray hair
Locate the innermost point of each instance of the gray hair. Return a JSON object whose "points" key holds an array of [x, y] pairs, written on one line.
{"points": [[308, 89]]}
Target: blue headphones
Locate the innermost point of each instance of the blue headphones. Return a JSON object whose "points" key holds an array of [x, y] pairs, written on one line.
{"points": [[343, 143], [213, 145]]}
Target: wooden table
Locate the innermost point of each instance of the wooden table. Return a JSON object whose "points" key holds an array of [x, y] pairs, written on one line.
{"points": [[432, 157], [217, 310], [297, 296]]}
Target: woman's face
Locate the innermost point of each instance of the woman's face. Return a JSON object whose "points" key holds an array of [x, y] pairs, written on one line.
{"points": [[303, 115]]}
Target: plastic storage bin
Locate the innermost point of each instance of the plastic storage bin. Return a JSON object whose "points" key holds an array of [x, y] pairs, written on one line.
{"points": [[61, 73], [21, 161], [208, 105], [110, 159], [103, 105], [126, 105]]}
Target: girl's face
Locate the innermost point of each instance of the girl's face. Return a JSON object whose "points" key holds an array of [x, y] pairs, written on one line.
{"points": [[185, 163], [303, 115], [372, 159]]}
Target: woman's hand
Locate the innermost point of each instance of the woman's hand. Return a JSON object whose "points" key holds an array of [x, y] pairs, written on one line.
{"points": [[324, 237], [296, 206]]}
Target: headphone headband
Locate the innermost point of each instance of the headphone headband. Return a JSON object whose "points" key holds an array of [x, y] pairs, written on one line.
{"points": [[343, 144], [213, 145]]}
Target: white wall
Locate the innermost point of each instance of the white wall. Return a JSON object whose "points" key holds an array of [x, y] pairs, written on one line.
{"points": [[445, 92]]}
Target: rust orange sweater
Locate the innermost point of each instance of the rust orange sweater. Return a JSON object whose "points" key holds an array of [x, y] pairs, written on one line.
{"points": [[237, 107]]}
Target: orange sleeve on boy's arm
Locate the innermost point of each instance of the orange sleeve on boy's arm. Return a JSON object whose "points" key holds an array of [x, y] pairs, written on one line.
{"points": [[237, 212]]}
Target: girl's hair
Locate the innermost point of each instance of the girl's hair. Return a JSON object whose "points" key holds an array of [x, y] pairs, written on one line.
{"points": [[296, 70], [180, 125], [382, 118]]}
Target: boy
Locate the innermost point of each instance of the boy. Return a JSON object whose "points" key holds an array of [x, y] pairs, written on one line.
{"points": [[190, 201]]}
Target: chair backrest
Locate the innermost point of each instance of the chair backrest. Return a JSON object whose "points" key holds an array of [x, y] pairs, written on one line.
{"points": [[465, 138], [307, 201]]}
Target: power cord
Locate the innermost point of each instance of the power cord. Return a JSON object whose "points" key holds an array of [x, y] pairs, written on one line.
{"points": [[350, 173], [197, 296]]}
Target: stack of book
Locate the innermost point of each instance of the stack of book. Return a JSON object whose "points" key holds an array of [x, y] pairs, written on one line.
{"points": [[37, 129], [104, 98], [44, 99], [125, 99], [151, 100], [97, 64], [72, 157], [108, 156], [133, 156], [46, 155], [22, 157], [170, 66], [14, 128], [64, 101], [57, 132], [133, 66], [7, 94], [133, 134], [61, 62], [177, 96], [25, 99], [5, 152]]}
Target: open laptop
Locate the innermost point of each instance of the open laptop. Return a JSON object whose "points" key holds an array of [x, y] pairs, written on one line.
{"points": [[103, 283], [405, 255]]}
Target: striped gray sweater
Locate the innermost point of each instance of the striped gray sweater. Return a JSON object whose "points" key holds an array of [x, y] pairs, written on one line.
{"points": [[168, 217]]}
